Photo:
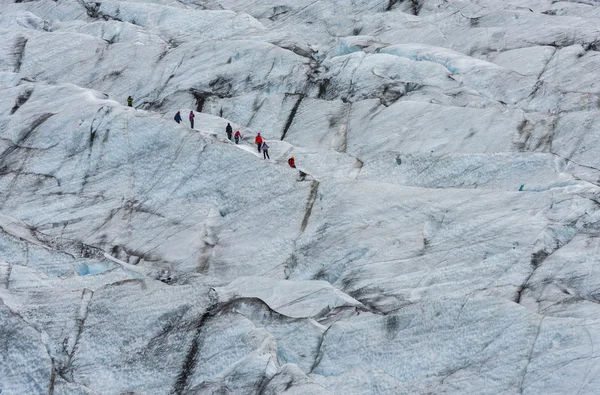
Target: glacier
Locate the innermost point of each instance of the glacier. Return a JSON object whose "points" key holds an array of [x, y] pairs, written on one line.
{"points": [[445, 239]]}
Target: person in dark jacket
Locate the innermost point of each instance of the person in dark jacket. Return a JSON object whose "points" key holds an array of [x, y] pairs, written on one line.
{"points": [[130, 101], [229, 131], [178, 117], [237, 136], [258, 141], [292, 162], [192, 116], [265, 149]]}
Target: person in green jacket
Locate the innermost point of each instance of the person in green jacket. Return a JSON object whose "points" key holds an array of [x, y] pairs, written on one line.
{"points": [[130, 101]]}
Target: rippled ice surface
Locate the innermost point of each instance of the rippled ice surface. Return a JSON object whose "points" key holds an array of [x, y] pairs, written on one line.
{"points": [[444, 240]]}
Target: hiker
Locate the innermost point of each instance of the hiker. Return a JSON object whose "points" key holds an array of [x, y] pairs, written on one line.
{"points": [[237, 136], [130, 101], [258, 141], [192, 116], [292, 162], [178, 117], [265, 150], [229, 131]]}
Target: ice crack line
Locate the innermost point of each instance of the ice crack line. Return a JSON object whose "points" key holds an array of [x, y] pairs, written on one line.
{"points": [[66, 371], [537, 334], [291, 117]]}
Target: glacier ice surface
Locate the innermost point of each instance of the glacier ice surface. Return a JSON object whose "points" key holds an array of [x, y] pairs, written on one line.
{"points": [[445, 239]]}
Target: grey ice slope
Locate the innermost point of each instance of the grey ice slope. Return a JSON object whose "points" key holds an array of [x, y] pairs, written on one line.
{"points": [[140, 256]]}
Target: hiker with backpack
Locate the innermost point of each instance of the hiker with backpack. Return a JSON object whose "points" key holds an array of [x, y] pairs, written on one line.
{"points": [[192, 116], [129, 101], [178, 117], [292, 162], [258, 141], [237, 136], [229, 131]]}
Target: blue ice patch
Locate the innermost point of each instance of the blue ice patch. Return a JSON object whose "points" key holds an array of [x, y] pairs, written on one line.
{"points": [[89, 269], [345, 49]]}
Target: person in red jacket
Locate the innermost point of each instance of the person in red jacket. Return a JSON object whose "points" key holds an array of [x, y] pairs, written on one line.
{"points": [[292, 162], [237, 136], [258, 141]]}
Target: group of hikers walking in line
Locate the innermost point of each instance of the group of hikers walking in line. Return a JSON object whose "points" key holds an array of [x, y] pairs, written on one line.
{"points": [[261, 144], [191, 116], [237, 136]]}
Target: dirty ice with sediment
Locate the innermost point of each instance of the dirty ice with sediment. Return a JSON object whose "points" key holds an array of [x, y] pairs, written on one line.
{"points": [[445, 239]]}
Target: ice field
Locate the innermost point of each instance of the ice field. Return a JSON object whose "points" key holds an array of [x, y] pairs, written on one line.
{"points": [[446, 238]]}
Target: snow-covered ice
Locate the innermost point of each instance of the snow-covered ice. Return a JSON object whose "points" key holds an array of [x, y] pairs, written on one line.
{"points": [[445, 239]]}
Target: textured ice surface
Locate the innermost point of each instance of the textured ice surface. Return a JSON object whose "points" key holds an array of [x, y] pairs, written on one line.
{"points": [[444, 241]]}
